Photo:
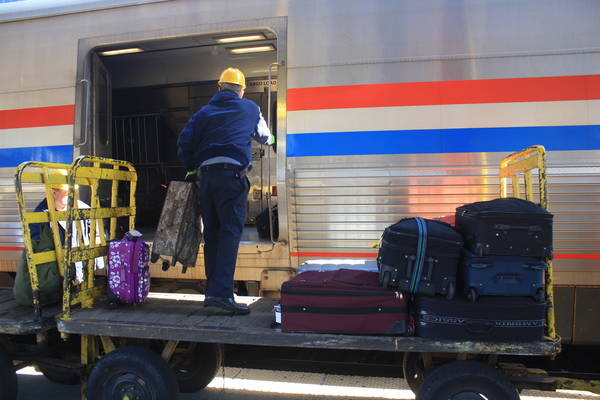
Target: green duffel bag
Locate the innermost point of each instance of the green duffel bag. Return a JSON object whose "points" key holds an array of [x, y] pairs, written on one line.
{"points": [[50, 282]]}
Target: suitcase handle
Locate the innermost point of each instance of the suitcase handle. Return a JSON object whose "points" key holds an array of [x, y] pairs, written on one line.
{"points": [[529, 228], [480, 265], [507, 277], [411, 265], [479, 327], [536, 266], [430, 263]]}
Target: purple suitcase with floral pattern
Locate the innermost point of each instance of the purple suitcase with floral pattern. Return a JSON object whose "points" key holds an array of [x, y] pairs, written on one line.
{"points": [[128, 271]]}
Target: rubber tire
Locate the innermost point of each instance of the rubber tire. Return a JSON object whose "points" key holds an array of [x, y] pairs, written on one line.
{"points": [[463, 377], [62, 376], [200, 369], [8, 377], [413, 370], [138, 365]]}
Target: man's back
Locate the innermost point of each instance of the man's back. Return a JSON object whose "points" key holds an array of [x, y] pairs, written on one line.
{"points": [[222, 128]]}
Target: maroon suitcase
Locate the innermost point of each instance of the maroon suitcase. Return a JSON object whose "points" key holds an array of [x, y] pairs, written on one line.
{"points": [[343, 301]]}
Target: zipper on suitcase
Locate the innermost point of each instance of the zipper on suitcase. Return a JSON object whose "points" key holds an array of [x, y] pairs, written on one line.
{"points": [[288, 290]]}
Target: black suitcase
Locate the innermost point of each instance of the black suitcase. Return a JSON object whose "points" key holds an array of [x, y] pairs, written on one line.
{"points": [[506, 227], [418, 255], [491, 319], [262, 223], [502, 276]]}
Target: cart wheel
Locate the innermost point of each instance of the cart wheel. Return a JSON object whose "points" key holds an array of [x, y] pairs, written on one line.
{"points": [[414, 370], [154, 257], [385, 279], [451, 291], [165, 266], [472, 295], [466, 380], [63, 376], [197, 366], [134, 373], [8, 377]]}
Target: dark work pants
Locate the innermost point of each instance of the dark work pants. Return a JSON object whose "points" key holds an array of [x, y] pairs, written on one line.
{"points": [[222, 197]]}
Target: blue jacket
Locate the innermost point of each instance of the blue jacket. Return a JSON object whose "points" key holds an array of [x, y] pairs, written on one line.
{"points": [[222, 128]]}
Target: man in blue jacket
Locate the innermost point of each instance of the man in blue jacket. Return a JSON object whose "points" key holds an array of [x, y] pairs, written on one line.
{"points": [[216, 145]]}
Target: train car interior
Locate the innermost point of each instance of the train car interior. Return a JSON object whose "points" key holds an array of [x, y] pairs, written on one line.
{"points": [[144, 93]]}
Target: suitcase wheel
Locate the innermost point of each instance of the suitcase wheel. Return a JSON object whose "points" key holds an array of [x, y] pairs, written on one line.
{"points": [[540, 295], [451, 291], [472, 295], [113, 299], [166, 266], [385, 279]]}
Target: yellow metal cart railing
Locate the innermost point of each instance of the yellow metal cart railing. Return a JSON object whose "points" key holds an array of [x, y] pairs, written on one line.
{"points": [[110, 186], [47, 174], [525, 162], [88, 228]]}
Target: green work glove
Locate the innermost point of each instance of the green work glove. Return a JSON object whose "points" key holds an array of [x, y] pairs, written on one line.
{"points": [[191, 176]]}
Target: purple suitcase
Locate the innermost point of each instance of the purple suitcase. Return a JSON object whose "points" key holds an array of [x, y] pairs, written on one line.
{"points": [[128, 271]]}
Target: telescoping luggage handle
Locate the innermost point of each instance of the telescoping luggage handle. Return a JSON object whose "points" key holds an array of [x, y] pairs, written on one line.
{"points": [[138, 248]]}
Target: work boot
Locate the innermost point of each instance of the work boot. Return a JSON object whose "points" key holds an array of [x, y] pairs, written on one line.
{"points": [[226, 304]]}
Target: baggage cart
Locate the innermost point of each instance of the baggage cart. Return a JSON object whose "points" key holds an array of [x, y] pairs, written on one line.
{"points": [[137, 350]]}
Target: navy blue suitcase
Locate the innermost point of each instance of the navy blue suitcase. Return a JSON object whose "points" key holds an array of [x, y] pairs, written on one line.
{"points": [[502, 276], [506, 227]]}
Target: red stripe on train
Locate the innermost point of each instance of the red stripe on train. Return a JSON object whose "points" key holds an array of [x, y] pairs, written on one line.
{"points": [[581, 87], [578, 256], [11, 248], [36, 117]]}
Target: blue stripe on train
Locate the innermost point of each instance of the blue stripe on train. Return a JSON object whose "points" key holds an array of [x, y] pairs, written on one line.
{"points": [[12, 157], [472, 140]]}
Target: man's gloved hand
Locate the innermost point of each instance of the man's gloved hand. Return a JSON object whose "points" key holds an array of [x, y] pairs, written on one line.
{"points": [[273, 143], [191, 176]]}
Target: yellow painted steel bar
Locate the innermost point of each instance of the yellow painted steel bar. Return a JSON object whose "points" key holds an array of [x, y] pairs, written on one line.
{"points": [[44, 257], [87, 253], [524, 162], [592, 386], [42, 175], [94, 172]]}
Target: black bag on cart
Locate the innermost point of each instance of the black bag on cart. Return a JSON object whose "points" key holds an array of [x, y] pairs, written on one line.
{"points": [[491, 319], [506, 227], [419, 255], [502, 276]]}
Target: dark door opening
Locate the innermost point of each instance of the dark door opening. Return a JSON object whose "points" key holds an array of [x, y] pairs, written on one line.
{"points": [[153, 95]]}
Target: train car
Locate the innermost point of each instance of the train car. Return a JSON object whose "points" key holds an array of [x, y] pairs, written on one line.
{"points": [[382, 109]]}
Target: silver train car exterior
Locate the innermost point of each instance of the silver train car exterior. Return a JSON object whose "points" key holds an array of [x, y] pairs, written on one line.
{"points": [[382, 109]]}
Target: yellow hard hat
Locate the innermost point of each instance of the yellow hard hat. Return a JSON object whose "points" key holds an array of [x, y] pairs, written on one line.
{"points": [[233, 75], [59, 186]]}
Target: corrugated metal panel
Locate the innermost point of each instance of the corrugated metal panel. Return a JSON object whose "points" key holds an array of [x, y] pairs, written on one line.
{"points": [[342, 204], [10, 227]]}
